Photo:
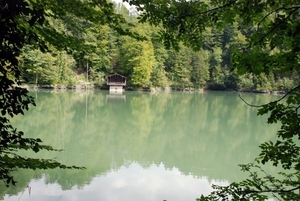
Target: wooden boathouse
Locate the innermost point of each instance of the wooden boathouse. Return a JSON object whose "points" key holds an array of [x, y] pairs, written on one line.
{"points": [[116, 82]]}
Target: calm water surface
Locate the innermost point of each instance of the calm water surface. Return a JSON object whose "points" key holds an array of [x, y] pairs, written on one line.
{"points": [[139, 146]]}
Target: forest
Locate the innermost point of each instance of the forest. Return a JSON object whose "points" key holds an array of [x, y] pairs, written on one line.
{"points": [[146, 62]]}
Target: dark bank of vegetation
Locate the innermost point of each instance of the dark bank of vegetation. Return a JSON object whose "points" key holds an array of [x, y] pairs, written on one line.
{"points": [[146, 63]]}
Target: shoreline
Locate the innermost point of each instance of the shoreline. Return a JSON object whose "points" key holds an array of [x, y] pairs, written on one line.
{"points": [[88, 86]]}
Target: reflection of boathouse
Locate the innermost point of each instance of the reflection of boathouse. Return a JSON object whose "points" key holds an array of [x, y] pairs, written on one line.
{"points": [[116, 82]]}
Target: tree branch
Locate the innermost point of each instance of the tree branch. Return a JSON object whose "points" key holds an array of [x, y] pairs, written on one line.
{"points": [[274, 27], [249, 103], [188, 15], [276, 10], [289, 92], [280, 99], [213, 9], [272, 191]]}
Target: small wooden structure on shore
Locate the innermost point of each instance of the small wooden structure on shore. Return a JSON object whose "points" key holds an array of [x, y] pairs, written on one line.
{"points": [[116, 82]]}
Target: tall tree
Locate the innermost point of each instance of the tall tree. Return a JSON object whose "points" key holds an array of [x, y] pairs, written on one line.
{"points": [[179, 67], [137, 58], [158, 76], [200, 70], [98, 58]]}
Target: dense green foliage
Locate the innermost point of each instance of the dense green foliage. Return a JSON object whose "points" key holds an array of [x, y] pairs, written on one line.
{"points": [[146, 63]]}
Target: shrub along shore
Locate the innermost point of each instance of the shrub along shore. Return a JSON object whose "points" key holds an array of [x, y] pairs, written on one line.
{"points": [[88, 86]]}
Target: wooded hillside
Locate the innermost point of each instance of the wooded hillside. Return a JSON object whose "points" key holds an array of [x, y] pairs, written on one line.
{"points": [[147, 63]]}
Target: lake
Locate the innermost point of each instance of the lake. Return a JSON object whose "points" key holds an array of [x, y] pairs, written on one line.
{"points": [[139, 146]]}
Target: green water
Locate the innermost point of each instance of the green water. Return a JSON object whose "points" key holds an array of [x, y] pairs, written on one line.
{"points": [[139, 146]]}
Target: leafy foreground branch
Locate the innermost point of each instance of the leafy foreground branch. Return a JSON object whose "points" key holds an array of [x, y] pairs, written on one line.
{"points": [[258, 187], [34, 23], [21, 24], [284, 153]]}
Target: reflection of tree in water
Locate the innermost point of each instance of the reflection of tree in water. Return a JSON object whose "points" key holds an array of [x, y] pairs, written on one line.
{"points": [[203, 134]]}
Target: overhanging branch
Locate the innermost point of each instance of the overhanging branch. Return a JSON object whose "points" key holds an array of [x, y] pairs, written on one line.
{"points": [[272, 191], [274, 11], [280, 99], [274, 27]]}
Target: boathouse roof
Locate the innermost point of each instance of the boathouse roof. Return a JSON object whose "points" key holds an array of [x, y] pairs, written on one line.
{"points": [[116, 80]]}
